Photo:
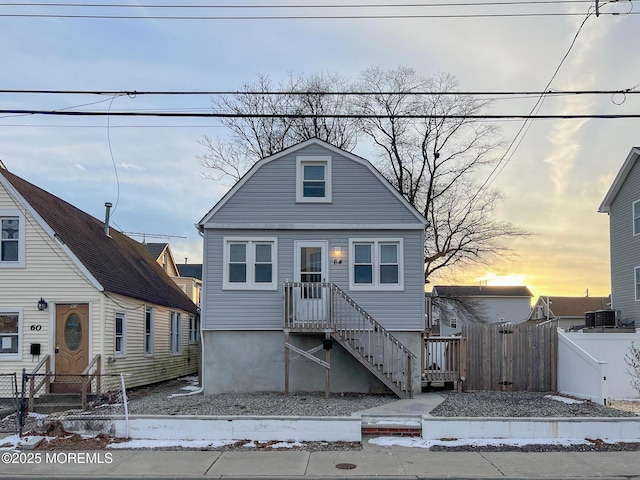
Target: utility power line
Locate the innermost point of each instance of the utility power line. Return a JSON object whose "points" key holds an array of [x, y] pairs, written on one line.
{"points": [[135, 93], [296, 115]]}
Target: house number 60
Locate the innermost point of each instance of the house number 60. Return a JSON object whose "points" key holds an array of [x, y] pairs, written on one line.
{"points": [[37, 328]]}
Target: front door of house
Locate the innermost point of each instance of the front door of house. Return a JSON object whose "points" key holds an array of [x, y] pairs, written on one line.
{"points": [[72, 345], [311, 271]]}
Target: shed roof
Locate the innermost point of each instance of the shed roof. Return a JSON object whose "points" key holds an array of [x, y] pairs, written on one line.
{"points": [[120, 264]]}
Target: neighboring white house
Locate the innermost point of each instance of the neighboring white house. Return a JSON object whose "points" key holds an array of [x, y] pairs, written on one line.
{"points": [[75, 290], [453, 306], [310, 249]]}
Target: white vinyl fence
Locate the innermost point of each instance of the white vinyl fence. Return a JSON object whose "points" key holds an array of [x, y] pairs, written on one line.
{"points": [[592, 365]]}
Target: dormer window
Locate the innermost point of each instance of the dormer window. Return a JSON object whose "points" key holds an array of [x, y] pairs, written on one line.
{"points": [[313, 179]]}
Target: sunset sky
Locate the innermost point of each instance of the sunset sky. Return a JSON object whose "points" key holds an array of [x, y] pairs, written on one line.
{"points": [[552, 184]]}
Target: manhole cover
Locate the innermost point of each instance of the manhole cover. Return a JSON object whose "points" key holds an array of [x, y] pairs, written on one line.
{"points": [[346, 466]]}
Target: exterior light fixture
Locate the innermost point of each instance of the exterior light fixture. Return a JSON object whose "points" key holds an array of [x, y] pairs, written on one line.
{"points": [[336, 253], [42, 304]]}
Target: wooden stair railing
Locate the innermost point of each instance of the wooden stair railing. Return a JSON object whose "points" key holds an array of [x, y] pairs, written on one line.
{"points": [[44, 381], [354, 329]]}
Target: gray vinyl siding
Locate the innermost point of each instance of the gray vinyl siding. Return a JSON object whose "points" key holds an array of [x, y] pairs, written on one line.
{"points": [[262, 310], [358, 196], [625, 247]]}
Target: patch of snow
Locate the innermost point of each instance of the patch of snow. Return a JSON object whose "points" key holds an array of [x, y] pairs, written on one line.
{"points": [[133, 444], [477, 442], [11, 442], [190, 387], [411, 423], [559, 398], [251, 444], [287, 445], [38, 416]]}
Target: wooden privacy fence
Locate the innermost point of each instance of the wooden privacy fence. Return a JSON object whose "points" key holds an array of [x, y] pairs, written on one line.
{"points": [[494, 357], [511, 357]]}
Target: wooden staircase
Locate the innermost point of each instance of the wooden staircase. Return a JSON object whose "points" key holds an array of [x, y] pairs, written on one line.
{"points": [[355, 330]]}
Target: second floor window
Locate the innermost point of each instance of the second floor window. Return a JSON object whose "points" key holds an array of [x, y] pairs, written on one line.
{"points": [[11, 240], [636, 217], [313, 179]]}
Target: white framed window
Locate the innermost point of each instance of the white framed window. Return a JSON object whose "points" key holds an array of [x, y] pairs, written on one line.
{"points": [[175, 333], [636, 277], [376, 264], [250, 264], [11, 239], [10, 334], [636, 217], [453, 323], [120, 334], [313, 179], [194, 329], [148, 331]]}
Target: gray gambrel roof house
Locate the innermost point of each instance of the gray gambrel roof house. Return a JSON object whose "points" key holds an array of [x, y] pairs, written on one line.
{"points": [[117, 263]]}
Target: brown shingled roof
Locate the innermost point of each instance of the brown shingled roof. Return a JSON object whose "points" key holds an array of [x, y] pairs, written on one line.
{"points": [[120, 264], [482, 291], [577, 306]]}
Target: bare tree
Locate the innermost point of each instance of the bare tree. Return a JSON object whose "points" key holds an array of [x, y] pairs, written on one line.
{"points": [[267, 121], [429, 149]]}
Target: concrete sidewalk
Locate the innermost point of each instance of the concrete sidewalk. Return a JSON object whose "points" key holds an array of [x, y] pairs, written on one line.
{"points": [[371, 462]]}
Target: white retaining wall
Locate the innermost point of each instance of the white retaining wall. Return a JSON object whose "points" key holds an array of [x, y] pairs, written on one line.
{"points": [[610, 429], [592, 365], [177, 427]]}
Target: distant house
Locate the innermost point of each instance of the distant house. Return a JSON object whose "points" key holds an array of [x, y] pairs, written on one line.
{"points": [[622, 203], [453, 306], [567, 312], [187, 277], [76, 291], [312, 249]]}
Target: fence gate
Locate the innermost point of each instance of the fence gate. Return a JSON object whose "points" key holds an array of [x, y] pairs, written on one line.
{"points": [[9, 403], [510, 356]]}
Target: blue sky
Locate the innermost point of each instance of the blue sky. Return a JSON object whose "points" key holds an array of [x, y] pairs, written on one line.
{"points": [[552, 186]]}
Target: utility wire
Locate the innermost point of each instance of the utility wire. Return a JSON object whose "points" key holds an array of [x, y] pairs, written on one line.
{"points": [[297, 115], [135, 93]]}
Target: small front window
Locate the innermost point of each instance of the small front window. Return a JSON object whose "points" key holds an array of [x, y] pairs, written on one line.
{"points": [[249, 264], [376, 264], [9, 334], [636, 217], [637, 283], [313, 183]]}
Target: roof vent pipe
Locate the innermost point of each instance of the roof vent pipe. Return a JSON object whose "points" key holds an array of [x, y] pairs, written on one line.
{"points": [[107, 214]]}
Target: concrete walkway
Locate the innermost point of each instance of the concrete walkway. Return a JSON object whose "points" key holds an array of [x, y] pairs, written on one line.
{"points": [[371, 462]]}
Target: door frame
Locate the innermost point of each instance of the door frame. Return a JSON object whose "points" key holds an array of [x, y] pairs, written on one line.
{"points": [[321, 307], [53, 329]]}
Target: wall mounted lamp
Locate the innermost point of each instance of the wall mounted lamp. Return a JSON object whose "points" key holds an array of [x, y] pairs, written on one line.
{"points": [[42, 304], [336, 253]]}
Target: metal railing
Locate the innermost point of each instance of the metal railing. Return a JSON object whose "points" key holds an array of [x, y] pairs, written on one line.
{"points": [[321, 307]]}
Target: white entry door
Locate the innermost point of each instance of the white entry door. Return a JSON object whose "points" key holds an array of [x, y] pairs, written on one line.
{"points": [[311, 270]]}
